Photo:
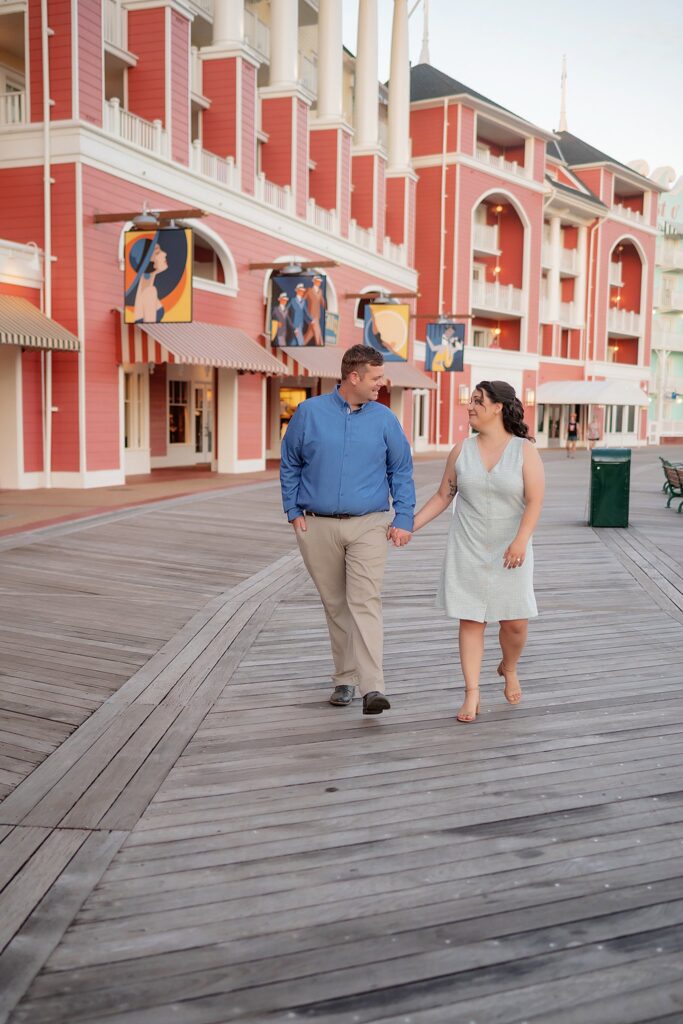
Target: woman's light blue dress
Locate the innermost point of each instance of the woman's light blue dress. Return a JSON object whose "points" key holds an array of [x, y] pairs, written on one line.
{"points": [[489, 506]]}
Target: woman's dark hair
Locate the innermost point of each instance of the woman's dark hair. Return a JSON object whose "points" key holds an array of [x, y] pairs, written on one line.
{"points": [[513, 410]]}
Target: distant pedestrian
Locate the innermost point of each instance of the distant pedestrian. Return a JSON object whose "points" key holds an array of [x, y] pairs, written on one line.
{"points": [[572, 435], [593, 433], [343, 455], [488, 569]]}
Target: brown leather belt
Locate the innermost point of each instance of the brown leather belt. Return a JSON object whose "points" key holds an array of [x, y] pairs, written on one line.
{"points": [[329, 515]]}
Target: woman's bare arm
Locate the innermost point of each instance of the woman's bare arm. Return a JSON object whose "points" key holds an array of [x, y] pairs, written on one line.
{"points": [[445, 494]]}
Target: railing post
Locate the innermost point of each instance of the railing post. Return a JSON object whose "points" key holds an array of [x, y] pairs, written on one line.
{"points": [[158, 138], [196, 155], [289, 197], [115, 115]]}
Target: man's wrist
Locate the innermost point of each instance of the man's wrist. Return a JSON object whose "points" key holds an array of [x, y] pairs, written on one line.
{"points": [[294, 513], [403, 522]]}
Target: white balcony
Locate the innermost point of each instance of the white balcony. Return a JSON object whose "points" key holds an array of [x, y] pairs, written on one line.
{"points": [[669, 255], [669, 298], [623, 321], [308, 74], [277, 196], [615, 275], [114, 24], [485, 156], [486, 238], [12, 108], [196, 72], [364, 237], [667, 337], [396, 252], [327, 220], [546, 255], [205, 6], [257, 34], [148, 135], [628, 213], [569, 261], [499, 298], [214, 167], [570, 314]]}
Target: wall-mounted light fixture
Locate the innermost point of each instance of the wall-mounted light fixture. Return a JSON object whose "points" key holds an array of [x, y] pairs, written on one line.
{"points": [[464, 394], [530, 396]]}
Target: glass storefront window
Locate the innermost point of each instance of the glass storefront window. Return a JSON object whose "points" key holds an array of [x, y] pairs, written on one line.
{"points": [[177, 411], [540, 416], [290, 399]]}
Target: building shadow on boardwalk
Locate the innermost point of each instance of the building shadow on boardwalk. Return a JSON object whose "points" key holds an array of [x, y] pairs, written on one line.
{"points": [[279, 859]]}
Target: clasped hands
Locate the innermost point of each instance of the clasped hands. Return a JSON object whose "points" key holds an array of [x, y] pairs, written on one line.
{"points": [[398, 537]]}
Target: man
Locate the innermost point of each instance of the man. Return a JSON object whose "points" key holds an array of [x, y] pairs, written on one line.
{"points": [[280, 322], [298, 314], [342, 455], [315, 307]]}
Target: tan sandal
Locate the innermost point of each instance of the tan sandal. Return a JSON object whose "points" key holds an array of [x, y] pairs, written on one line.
{"points": [[463, 716], [516, 696]]}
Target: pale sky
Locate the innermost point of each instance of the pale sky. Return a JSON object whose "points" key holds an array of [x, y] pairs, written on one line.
{"points": [[625, 70]]}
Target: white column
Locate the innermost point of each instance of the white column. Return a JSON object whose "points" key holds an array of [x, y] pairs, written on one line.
{"points": [[284, 42], [580, 283], [330, 68], [554, 272], [228, 22], [366, 98], [399, 91]]}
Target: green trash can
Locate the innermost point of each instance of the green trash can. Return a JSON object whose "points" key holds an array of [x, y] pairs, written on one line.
{"points": [[610, 482]]}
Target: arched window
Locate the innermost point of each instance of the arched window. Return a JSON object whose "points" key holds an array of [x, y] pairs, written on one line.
{"points": [[369, 294]]}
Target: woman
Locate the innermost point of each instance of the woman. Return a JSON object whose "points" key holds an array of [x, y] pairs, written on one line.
{"points": [[488, 569], [593, 433], [148, 260], [572, 435]]}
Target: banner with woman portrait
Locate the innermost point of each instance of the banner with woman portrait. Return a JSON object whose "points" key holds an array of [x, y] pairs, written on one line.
{"points": [[158, 276], [445, 343], [298, 310], [386, 329]]}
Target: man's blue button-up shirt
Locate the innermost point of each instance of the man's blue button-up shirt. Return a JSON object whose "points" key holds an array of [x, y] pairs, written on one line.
{"points": [[336, 460]]}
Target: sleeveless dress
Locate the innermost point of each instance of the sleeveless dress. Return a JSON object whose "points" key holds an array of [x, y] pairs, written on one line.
{"points": [[488, 508]]}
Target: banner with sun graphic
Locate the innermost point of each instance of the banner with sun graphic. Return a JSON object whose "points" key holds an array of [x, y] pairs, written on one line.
{"points": [[158, 276]]}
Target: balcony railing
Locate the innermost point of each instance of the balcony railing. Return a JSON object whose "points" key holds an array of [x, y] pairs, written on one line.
{"points": [[667, 338], [669, 298], [486, 238], [149, 135], [205, 5], [12, 108], [569, 314], [277, 196], [308, 74], [362, 236], [257, 33], [626, 211], [499, 162], [196, 72], [328, 220], [114, 24], [623, 321], [500, 297], [670, 256], [215, 167], [397, 253], [569, 261], [547, 254]]}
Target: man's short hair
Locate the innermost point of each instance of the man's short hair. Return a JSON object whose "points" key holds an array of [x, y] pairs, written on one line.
{"points": [[358, 358]]}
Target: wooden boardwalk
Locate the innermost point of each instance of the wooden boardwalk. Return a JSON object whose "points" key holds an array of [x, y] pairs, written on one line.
{"points": [[192, 834]]}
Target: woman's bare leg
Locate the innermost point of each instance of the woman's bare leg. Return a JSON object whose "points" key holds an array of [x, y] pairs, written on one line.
{"points": [[512, 636], [471, 645]]}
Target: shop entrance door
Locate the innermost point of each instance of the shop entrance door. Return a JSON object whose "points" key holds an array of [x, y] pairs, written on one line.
{"points": [[420, 419], [555, 426], [203, 422]]}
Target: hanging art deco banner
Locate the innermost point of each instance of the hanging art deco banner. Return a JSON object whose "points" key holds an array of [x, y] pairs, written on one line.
{"points": [[386, 329], [298, 310], [445, 347], [158, 276]]}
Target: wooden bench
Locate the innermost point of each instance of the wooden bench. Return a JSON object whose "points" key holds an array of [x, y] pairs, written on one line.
{"points": [[673, 484]]}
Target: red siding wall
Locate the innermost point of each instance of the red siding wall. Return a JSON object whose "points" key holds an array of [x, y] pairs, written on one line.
{"points": [[32, 412], [396, 199], [220, 120], [59, 54], [324, 153], [426, 131], [345, 185], [147, 81], [158, 418], [64, 310], [248, 123], [301, 158], [466, 130], [90, 62], [362, 197], [180, 88], [276, 160]]}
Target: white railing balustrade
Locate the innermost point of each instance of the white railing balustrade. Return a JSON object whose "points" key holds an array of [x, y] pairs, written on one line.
{"points": [[397, 252], [486, 237], [215, 167], [325, 219], [364, 237], [546, 254], [257, 33], [149, 135], [669, 255], [615, 275], [205, 5], [308, 74], [12, 108], [503, 297], [623, 321], [569, 313], [281, 198], [569, 261], [499, 162], [196, 72], [667, 337], [628, 213], [545, 308], [669, 298], [114, 27]]}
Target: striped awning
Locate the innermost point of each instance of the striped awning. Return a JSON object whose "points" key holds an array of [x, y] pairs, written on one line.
{"points": [[196, 343], [325, 361], [22, 323]]}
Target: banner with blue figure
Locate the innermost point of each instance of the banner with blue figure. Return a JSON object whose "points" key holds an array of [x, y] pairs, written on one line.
{"points": [[445, 347]]}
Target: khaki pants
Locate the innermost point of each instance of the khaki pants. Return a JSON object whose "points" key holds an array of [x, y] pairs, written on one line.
{"points": [[346, 560]]}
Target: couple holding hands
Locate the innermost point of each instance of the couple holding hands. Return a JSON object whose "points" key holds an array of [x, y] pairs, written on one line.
{"points": [[343, 455]]}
